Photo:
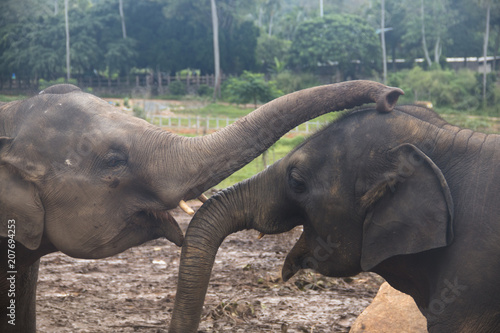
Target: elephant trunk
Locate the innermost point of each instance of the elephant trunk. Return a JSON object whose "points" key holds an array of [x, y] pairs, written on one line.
{"points": [[205, 161], [227, 212], [241, 206]]}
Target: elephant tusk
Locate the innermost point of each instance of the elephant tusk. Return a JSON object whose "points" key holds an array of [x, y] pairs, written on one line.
{"points": [[203, 198], [184, 206], [261, 235]]}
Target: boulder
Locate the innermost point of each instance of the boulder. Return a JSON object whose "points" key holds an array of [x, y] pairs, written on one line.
{"points": [[390, 311]]}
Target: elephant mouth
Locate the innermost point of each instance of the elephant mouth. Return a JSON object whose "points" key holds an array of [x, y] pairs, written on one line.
{"points": [[162, 223]]}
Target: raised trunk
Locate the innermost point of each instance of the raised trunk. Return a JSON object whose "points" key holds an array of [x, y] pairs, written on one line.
{"points": [[203, 162], [225, 213]]}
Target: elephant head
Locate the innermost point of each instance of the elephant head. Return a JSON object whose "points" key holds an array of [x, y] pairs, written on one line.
{"points": [[81, 177], [363, 192]]}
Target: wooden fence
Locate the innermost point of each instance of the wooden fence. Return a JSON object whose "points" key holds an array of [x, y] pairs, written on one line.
{"points": [[154, 81], [206, 124], [157, 80]]}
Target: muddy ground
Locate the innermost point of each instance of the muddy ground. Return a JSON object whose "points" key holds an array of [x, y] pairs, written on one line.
{"points": [[135, 290]]}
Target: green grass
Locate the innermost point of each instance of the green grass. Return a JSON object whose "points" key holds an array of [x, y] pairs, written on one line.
{"points": [[221, 110], [483, 124], [10, 98], [483, 120], [279, 150]]}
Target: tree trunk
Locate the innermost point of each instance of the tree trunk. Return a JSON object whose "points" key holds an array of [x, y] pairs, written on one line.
{"points": [[424, 42], [394, 58], [382, 36], [495, 52], [321, 8], [124, 30], [485, 50], [437, 50], [270, 30], [215, 27], [68, 67]]}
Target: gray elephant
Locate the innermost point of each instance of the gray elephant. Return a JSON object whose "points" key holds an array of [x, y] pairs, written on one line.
{"points": [[80, 177], [403, 194]]}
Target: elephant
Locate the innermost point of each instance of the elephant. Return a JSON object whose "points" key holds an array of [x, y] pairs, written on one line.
{"points": [[80, 177], [403, 194]]}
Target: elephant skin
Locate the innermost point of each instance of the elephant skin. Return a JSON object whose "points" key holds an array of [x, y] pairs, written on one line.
{"points": [[390, 311], [80, 177], [403, 194]]}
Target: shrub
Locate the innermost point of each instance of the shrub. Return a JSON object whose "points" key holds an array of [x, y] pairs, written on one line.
{"points": [[139, 112], [205, 90], [177, 88], [289, 82], [250, 87], [459, 90], [42, 84]]}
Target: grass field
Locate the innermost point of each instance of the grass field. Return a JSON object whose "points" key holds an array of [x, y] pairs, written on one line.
{"points": [[276, 152], [10, 98]]}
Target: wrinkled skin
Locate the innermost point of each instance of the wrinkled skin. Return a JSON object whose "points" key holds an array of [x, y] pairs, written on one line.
{"points": [[80, 177], [402, 194]]}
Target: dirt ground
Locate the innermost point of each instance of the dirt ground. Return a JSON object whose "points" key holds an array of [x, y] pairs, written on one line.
{"points": [[135, 290]]}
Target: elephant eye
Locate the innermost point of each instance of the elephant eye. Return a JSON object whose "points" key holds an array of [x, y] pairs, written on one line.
{"points": [[296, 182], [115, 159]]}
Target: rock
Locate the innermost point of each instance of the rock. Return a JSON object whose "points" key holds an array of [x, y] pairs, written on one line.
{"points": [[390, 311]]}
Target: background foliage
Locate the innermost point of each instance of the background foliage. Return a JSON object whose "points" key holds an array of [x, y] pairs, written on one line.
{"points": [[285, 40]]}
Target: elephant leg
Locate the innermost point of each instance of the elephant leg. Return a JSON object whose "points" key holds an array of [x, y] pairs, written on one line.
{"points": [[18, 299]]}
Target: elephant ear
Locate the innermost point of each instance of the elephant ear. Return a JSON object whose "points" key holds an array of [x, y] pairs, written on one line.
{"points": [[19, 201], [409, 210]]}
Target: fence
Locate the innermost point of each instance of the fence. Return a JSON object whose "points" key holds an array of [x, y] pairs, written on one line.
{"points": [[147, 80], [206, 124], [156, 83]]}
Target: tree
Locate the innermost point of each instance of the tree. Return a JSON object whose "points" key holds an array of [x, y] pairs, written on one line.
{"points": [[177, 34], [267, 13], [346, 41], [288, 22], [466, 31], [423, 29], [269, 49]]}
